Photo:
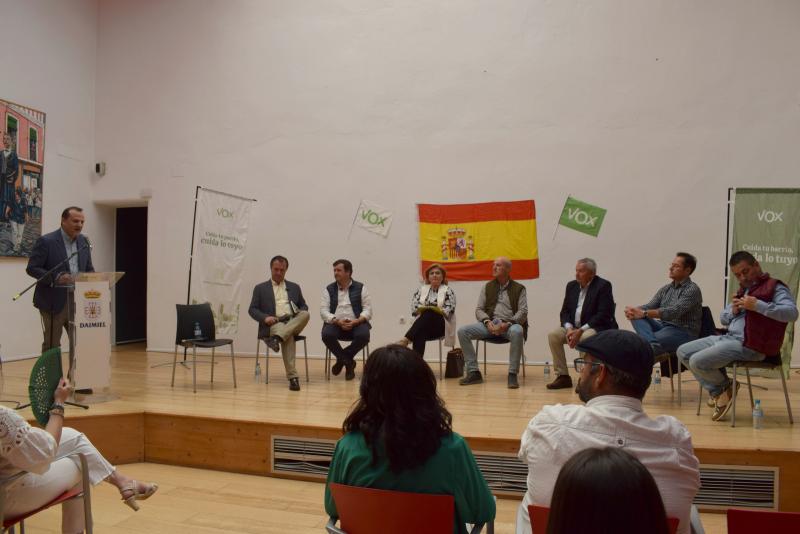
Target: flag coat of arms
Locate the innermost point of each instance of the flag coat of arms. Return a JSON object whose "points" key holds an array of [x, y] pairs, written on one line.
{"points": [[466, 238]]}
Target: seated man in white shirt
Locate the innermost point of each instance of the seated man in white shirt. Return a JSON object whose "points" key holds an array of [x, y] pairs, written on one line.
{"points": [[614, 376], [346, 310]]}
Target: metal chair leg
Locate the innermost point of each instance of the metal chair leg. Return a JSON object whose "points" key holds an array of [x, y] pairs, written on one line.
{"points": [[786, 396], [266, 363], [523, 365], [699, 397], [212, 365], [258, 350], [750, 388], [327, 364], [733, 397], [441, 376], [680, 389], [671, 375], [233, 366], [174, 363], [305, 350], [194, 368]]}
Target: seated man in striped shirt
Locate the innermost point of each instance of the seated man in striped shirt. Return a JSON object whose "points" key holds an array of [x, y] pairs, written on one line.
{"points": [[673, 315]]}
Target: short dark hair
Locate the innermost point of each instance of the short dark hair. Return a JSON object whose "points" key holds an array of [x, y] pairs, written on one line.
{"points": [[740, 256], [278, 258], [688, 260], [65, 213], [348, 267], [616, 492], [625, 383], [398, 410]]}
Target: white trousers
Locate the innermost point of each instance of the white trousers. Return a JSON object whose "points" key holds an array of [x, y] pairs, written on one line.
{"points": [[34, 491]]}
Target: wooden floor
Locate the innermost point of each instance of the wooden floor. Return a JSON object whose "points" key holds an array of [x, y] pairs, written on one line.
{"points": [[487, 410], [196, 501]]}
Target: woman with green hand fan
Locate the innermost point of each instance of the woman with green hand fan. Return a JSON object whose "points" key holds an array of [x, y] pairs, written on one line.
{"points": [[37, 451]]}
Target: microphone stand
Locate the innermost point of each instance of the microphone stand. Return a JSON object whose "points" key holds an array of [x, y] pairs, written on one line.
{"points": [[71, 320]]}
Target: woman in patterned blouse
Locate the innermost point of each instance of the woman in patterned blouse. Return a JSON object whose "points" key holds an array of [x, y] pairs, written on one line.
{"points": [[434, 306]]}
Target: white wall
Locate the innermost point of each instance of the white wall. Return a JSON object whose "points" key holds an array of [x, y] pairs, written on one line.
{"points": [[650, 109], [48, 52]]}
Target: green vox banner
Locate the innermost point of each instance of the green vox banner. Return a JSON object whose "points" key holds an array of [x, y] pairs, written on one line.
{"points": [[766, 223], [582, 217]]}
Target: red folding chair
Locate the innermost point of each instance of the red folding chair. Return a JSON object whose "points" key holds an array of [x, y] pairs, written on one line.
{"points": [[369, 510], [82, 492], [758, 521]]}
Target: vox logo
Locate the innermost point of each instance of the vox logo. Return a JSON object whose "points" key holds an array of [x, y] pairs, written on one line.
{"points": [[769, 216], [224, 213], [581, 217], [372, 218]]}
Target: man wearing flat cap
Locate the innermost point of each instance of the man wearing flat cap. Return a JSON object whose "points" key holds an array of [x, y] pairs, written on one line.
{"points": [[614, 375]]}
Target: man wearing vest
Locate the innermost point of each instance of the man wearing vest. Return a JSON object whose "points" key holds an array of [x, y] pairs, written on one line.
{"points": [[502, 312], [756, 319], [346, 311]]}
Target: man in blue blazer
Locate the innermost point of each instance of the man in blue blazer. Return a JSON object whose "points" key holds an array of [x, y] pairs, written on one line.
{"points": [[588, 308], [50, 297], [281, 312]]}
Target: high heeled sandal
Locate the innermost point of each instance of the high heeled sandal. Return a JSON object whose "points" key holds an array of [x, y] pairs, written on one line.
{"points": [[136, 495]]}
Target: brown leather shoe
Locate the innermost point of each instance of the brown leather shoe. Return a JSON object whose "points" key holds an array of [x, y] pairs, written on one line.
{"points": [[561, 382]]}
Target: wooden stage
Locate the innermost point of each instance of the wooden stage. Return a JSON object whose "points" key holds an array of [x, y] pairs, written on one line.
{"points": [[141, 418]]}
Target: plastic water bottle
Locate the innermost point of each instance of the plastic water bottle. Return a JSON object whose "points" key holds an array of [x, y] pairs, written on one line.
{"points": [[547, 369], [197, 332], [657, 379], [258, 371], [758, 416]]}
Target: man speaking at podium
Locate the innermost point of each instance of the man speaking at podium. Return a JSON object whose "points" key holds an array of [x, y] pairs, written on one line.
{"points": [[49, 251]]}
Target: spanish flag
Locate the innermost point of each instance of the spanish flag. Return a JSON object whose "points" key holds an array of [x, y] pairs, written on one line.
{"points": [[466, 238]]}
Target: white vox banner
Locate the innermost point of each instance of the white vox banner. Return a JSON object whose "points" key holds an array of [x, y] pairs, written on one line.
{"points": [[373, 218], [220, 242]]}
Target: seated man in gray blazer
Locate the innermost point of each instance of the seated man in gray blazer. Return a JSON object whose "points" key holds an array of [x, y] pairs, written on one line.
{"points": [[282, 313]]}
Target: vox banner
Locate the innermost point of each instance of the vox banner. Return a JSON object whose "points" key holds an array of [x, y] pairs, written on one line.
{"points": [[766, 223], [219, 246], [582, 217], [466, 238], [373, 218]]}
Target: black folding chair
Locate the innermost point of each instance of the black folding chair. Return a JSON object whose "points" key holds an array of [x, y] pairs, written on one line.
{"points": [[196, 328]]}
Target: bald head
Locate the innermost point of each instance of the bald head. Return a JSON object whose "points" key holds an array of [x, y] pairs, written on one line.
{"points": [[501, 269]]}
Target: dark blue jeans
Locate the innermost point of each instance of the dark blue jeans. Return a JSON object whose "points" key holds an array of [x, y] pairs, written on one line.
{"points": [[664, 337]]}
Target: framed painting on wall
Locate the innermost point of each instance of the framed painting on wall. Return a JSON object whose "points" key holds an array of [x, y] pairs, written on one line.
{"points": [[21, 172]]}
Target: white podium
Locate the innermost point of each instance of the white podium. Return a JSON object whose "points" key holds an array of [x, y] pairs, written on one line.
{"points": [[91, 322]]}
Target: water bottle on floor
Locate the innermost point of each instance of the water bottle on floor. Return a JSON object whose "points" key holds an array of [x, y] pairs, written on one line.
{"points": [[657, 379], [198, 334], [758, 416], [258, 371], [546, 370]]}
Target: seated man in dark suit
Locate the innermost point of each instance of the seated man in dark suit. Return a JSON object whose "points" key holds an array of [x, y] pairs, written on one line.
{"points": [[346, 310], [49, 251], [282, 313], [588, 308]]}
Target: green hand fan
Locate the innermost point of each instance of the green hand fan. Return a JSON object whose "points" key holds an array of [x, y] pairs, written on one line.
{"points": [[45, 376]]}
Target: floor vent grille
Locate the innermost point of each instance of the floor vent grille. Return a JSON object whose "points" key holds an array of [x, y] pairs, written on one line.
{"points": [[302, 456], [723, 486]]}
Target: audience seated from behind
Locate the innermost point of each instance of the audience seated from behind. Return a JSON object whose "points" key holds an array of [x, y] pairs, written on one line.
{"points": [[613, 378], [50, 473], [398, 436], [617, 495], [434, 306]]}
